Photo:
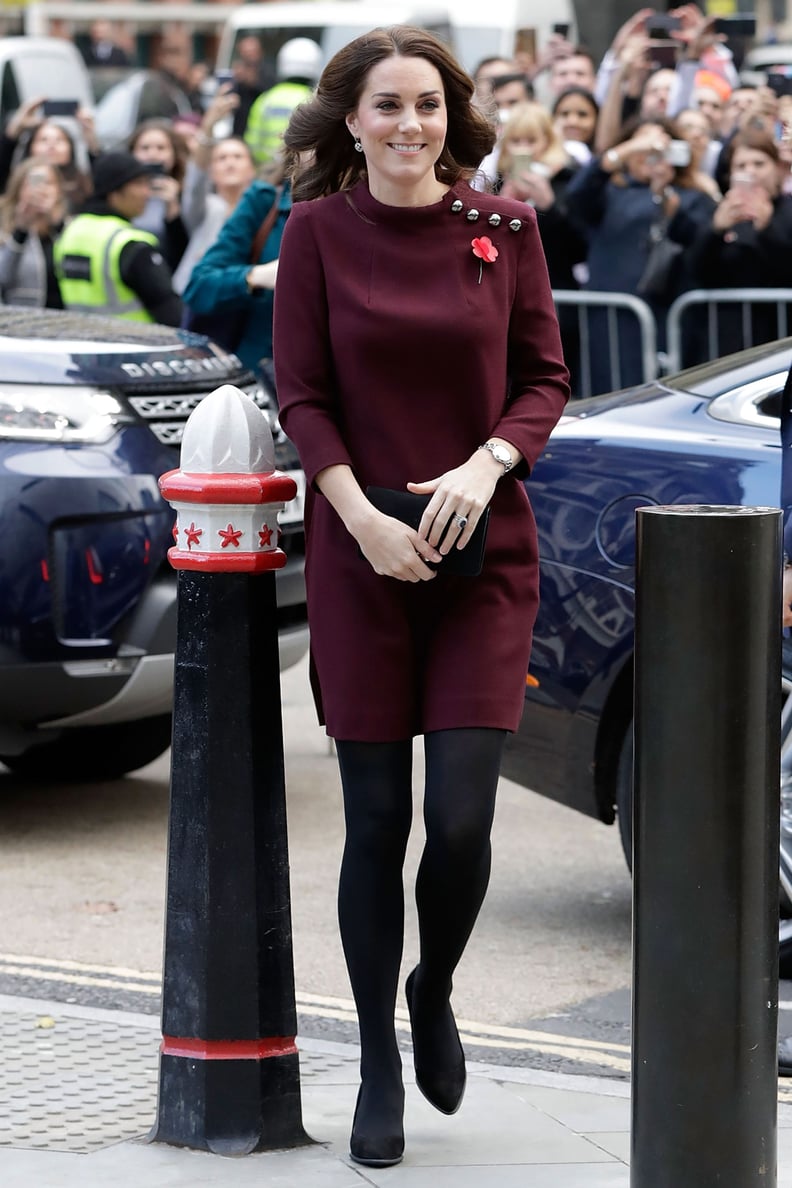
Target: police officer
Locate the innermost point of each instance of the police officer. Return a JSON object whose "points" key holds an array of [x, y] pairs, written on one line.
{"points": [[297, 67], [106, 265]]}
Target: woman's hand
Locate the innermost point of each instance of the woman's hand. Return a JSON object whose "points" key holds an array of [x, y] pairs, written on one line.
{"points": [[532, 187], [786, 596], [169, 190], [87, 124], [25, 118], [392, 549], [463, 494], [735, 207], [224, 101]]}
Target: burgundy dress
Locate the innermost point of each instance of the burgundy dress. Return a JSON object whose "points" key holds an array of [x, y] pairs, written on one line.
{"points": [[395, 356]]}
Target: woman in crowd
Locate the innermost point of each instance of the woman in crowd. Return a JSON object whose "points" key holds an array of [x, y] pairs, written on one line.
{"points": [[693, 126], [575, 114], [70, 145], [747, 241], [229, 290], [218, 173], [32, 213], [627, 201], [417, 351], [155, 142]]}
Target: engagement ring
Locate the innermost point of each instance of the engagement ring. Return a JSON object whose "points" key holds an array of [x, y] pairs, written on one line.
{"points": [[460, 521]]}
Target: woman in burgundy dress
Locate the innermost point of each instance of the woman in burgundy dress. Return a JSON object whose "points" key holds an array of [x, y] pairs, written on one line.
{"points": [[416, 349]]}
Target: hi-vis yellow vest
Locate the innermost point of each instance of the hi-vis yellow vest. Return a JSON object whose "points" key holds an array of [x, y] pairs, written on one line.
{"points": [[88, 266]]}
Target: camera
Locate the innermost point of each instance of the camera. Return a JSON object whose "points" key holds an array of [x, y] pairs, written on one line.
{"points": [[780, 84], [741, 24], [678, 154], [664, 54], [660, 25], [561, 30], [59, 107]]}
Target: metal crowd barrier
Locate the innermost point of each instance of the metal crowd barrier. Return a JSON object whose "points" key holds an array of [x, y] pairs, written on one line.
{"points": [[695, 332], [641, 322], [710, 300]]}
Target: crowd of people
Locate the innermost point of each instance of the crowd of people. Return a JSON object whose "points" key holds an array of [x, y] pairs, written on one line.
{"points": [[649, 176]]}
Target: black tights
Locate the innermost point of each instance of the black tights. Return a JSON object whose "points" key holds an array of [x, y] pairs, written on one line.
{"points": [[462, 769]]}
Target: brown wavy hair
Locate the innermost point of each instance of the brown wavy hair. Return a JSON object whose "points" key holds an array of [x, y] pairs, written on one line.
{"points": [[317, 129], [177, 142]]}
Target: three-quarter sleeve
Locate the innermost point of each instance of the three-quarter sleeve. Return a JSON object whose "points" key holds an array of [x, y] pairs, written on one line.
{"points": [[304, 371], [539, 379]]}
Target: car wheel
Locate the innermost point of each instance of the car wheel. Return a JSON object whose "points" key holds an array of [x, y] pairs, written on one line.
{"points": [[624, 806], [94, 753]]}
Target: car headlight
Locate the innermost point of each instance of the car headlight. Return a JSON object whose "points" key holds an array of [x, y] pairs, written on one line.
{"points": [[39, 412]]}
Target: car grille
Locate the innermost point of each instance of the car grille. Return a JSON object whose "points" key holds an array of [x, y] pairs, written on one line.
{"points": [[166, 413]]}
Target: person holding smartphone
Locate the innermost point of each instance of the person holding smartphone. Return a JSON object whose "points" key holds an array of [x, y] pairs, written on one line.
{"points": [[157, 144], [747, 243], [68, 142], [636, 193], [32, 214]]}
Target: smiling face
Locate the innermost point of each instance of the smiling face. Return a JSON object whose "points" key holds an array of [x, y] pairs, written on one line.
{"points": [[575, 119], [401, 121]]}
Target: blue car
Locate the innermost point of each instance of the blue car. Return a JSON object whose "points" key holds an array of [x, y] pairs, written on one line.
{"points": [[92, 411], [709, 435]]}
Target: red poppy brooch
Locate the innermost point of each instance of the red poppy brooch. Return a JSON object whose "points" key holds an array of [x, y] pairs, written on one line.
{"points": [[485, 252]]}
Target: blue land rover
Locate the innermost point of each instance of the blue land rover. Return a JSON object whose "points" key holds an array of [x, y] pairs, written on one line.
{"points": [[92, 411]]}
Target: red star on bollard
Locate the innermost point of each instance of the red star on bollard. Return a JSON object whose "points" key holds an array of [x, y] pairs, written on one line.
{"points": [[230, 535], [193, 535], [265, 536]]}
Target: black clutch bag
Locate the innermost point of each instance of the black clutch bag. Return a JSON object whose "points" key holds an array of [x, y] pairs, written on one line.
{"points": [[409, 508]]}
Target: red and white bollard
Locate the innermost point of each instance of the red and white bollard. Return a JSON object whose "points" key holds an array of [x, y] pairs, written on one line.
{"points": [[229, 1068], [227, 493]]}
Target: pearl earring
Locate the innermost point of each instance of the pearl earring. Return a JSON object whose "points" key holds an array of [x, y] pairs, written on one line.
{"points": [[358, 145]]}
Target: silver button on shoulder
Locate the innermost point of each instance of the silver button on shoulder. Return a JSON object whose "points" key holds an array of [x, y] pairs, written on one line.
{"points": [[494, 220], [456, 206], [515, 224], [472, 215]]}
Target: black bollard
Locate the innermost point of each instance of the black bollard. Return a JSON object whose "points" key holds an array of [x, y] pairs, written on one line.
{"points": [[229, 1070], [706, 838]]}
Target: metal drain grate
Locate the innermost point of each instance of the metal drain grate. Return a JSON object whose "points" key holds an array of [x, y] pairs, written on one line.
{"points": [[75, 1086]]}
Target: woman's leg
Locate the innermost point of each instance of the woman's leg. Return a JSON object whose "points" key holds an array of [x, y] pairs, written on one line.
{"points": [[462, 769], [377, 784]]}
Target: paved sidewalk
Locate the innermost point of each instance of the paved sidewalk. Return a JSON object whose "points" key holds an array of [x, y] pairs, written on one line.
{"points": [[78, 1096]]}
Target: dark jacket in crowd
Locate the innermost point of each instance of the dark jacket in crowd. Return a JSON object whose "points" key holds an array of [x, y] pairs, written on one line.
{"points": [[744, 258], [618, 220]]}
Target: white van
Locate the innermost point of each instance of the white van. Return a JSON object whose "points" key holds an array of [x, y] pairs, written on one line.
{"points": [[32, 67], [474, 29]]}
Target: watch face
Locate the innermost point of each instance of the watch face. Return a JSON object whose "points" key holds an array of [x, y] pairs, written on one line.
{"points": [[502, 455]]}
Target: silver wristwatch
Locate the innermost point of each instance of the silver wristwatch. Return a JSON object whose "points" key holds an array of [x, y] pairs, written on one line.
{"points": [[499, 453]]}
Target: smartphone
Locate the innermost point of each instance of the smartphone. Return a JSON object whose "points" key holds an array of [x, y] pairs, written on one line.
{"points": [[155, 169], [59, 107], [521, 163], [678, 154], [660, 24], [741, 24], [664, 54], [525, 42], [561, 30], [224, 76], [780, 84]]}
